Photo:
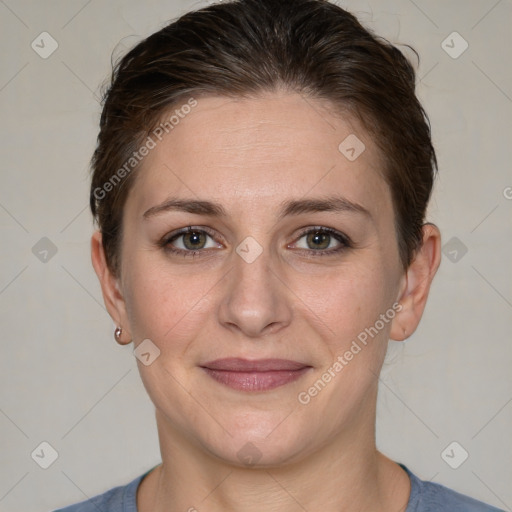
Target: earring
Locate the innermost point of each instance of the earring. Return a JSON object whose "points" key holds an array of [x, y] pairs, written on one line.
{"points": [[117, 334]]}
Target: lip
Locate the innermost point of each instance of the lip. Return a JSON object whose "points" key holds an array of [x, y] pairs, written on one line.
{"points": [[254, 375]]}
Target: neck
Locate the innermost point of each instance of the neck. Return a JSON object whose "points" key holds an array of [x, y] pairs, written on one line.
{"points": [[346, 475]]}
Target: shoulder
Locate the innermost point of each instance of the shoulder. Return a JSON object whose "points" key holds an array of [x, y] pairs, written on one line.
{"points": [[117, 499], [432, 497]]}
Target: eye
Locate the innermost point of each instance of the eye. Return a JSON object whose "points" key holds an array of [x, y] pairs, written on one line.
{"points": [[315, 241], [322, 240], [189, 241]]}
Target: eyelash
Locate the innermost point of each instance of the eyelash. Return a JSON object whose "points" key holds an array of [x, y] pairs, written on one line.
{"points": [[345, 242]]}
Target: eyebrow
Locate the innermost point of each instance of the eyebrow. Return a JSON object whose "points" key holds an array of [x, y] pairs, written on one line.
{"points": [[290, 207]]}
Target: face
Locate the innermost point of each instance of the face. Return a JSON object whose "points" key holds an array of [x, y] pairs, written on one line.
{"points": [[257, 257]]}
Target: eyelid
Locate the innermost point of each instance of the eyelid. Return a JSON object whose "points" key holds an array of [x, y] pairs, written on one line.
{"points": [[324, 229], [183, 231], [344, 240]]}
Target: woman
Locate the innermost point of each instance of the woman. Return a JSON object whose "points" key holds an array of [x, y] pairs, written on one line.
{"points": [[260, 186]]}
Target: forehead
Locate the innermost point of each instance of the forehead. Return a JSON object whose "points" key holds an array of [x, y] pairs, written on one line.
{"points": [[253, 152]]}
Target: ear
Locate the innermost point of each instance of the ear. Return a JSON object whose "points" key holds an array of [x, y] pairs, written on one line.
{"points": [[110, 287], [416, 284]]}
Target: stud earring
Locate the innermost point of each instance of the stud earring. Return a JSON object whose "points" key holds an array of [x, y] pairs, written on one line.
{"points": [[117, 334]]}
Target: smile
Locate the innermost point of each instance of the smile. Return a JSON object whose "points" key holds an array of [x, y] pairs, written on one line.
{"points": [[256, 375]]}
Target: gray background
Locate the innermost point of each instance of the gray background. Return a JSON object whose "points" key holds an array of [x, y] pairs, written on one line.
{"points": [[64, 379]]}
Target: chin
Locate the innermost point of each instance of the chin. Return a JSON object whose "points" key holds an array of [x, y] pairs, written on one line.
{"points": [[257, 441], [248, 454]]}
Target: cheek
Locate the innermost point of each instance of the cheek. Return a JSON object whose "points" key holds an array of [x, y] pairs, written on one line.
{"points": [[167, 305], [355, 344], [345, 302]]}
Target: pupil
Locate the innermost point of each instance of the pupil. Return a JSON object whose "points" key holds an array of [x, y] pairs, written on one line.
{"points": [[195, 238], [321, 240]]}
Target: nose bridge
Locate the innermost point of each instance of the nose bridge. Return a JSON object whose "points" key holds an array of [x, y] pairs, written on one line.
{"points": [[254, 299]]}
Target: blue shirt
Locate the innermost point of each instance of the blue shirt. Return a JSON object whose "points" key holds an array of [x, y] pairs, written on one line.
{"points": [[425, 497]]}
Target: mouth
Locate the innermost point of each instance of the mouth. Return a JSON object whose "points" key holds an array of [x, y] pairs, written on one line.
{"points": [[254, 375]]}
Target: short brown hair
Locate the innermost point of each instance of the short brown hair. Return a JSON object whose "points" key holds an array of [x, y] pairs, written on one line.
{"points": [[245, 47]]}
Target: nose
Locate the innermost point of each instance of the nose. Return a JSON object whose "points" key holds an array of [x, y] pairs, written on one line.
{"points": [[256, 301]]}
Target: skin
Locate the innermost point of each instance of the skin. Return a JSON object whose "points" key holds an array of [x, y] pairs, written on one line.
{"points": [[250, 155]]}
